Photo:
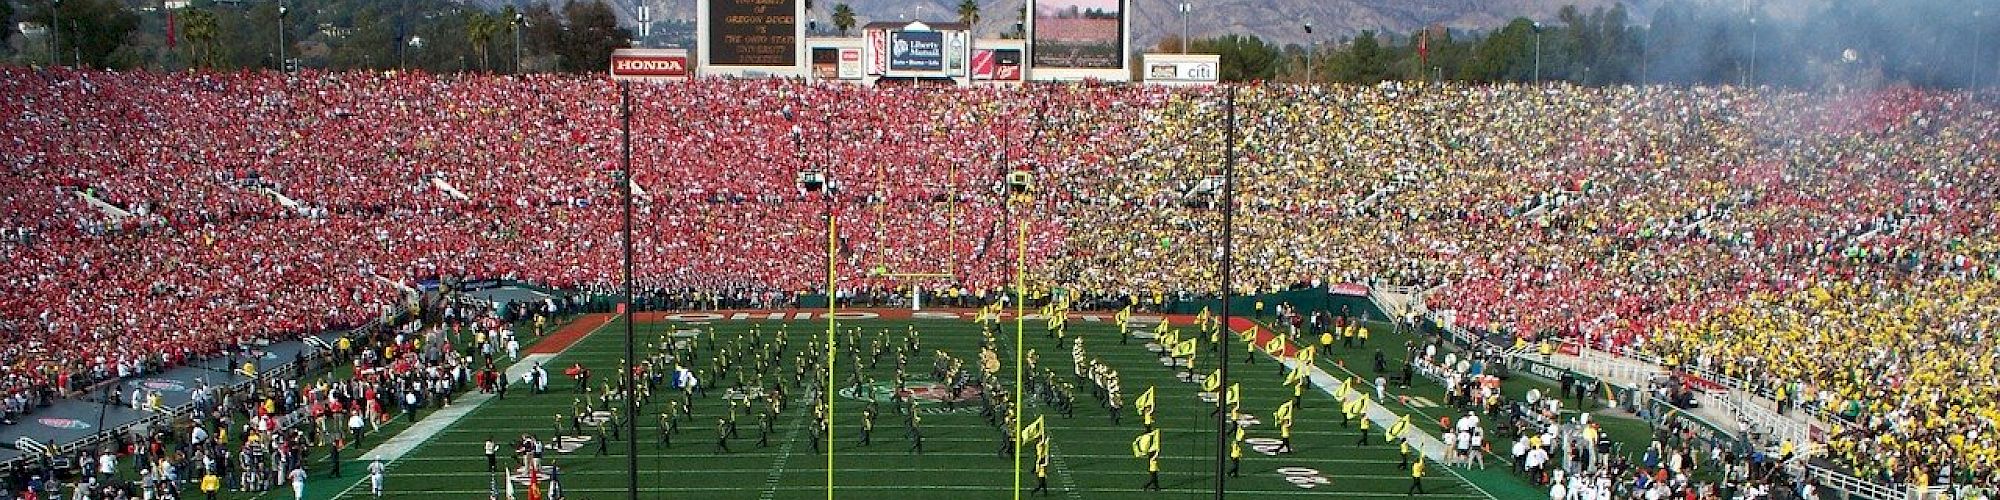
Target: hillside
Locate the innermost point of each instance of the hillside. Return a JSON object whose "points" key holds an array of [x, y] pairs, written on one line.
{"points": [[1277, 20]]}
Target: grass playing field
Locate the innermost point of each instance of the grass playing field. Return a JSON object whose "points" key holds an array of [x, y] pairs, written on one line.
{"points": [[1091, 457]]}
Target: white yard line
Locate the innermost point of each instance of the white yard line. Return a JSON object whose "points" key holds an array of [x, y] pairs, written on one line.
{"points": [[392, 451]]}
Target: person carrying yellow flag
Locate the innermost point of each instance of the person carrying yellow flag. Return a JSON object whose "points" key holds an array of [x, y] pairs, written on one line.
{"points": [[1284, 417], [1041, 468], [1148, 445], [1417, 477], [1124, 317]]}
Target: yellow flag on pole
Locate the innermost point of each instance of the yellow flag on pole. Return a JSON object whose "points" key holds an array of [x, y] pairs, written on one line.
{"points": [[1284, 411], [1213, 382], [1235, 393], [1145, 399], [1184, 348], [1033, 431], [1146, 443], [1354, 406], [1397, 429], [1275, 346]]}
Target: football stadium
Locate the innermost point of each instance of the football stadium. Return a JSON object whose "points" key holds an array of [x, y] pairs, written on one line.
{"points": [[782, 249]]}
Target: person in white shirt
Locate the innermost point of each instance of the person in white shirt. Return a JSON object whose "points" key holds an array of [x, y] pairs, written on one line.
{"points": [[298, 483], [1558, 491], [1537, 458], [1463, 440], [375, 478], [1478, 437], [1450, 444], [513, 348], [1520, 453], [107, 465]]}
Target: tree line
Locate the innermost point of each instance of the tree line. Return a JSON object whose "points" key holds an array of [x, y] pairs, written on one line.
{"points": [[329, 34], [1939, 44]]}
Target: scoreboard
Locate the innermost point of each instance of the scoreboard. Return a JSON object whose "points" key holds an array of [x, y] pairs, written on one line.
{"points": [[751, 33]]}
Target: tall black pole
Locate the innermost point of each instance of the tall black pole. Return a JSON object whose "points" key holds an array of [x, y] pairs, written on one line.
{"points": [[631, 310], [55, 34], [1223, 436]]}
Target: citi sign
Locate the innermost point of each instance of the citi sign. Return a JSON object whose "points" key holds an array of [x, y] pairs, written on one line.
{"points": [[649, 66]]}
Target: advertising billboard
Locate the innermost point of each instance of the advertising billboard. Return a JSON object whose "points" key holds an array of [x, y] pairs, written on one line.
{"points": [[826, 63], [1182, 69], [996, 64], [916, 51], [751, 36], [850, 64], [649, 64], [1078, 34], [878, 51]]}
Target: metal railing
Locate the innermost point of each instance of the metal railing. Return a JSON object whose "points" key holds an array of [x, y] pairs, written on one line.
{"points": [[167, 416]]}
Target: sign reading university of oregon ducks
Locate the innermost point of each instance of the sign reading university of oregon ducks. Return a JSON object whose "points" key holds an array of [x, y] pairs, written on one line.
{"points": [[63, 423], [166, 385], [924, 393]]}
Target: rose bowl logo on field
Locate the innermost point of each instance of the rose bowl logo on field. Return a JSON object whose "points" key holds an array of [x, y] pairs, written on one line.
{"points": [[63, 423], [158, 384], [922, 392]]}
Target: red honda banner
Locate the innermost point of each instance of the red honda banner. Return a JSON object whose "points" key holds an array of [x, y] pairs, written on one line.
{"points": [[669, 64]]}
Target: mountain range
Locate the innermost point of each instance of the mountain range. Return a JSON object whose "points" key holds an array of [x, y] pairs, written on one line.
{"points": [[1279, 21]]}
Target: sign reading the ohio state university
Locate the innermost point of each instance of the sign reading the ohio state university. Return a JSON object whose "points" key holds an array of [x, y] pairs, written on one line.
{"points": [[649, 64]]}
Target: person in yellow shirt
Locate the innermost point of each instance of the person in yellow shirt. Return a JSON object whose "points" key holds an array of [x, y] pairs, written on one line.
{"points": [[211, 484], [1285, 435], [1417, 478], [1152, 470], [1236, 454], [1364, 432], [1041, 472]]}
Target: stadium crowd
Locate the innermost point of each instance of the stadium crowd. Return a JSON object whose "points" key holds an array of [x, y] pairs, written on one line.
{"points": [[1745, 231]]}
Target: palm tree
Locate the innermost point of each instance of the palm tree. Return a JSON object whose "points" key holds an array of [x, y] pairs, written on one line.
{"points": [[479, 29], [201, 29], [968, 12], [843, 18]]}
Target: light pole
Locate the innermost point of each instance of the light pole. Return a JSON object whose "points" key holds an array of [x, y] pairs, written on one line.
{"points": [[1312, 49], [1187, 8], [520, 21], [1225, 419], [1538, 53], [1020, 190], [1978, 48], [631, 307], [1753, 53], [282, 67], [55, 33]]}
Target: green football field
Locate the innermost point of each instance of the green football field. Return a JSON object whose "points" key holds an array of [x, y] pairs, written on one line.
{"points": [[1091, 457]]}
